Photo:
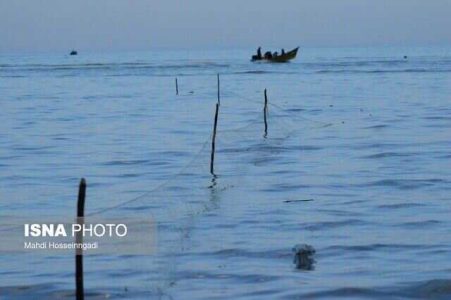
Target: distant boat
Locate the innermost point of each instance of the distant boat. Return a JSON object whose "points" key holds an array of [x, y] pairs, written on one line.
{"points": [[73, 52], [281, 58]]}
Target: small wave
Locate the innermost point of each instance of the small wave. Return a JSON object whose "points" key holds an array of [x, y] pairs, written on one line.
{"points": [[433, 289], [335, 224], [304, 148], [400, 205], [372, 247], [126, 163], [112, 66], [294, 110], [420, 224], [404, 184], [387, 154], [275, 188], [447, 118], [239, 252], [377, 126], [345, 293], [46, 291], [383, 71], [240, 278], [253, 72]]}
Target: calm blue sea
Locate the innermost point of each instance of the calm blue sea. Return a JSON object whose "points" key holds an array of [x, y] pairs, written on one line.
{"points": [[356, 164]]}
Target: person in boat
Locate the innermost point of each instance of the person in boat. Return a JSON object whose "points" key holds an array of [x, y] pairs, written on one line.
{"points": [[259, 54], [268, 55]]}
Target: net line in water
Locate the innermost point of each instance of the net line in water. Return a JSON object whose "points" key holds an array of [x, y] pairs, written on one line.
{"points": [[282, 124], [175, 204]]}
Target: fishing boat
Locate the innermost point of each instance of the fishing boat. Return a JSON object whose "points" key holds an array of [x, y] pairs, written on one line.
{"points": [[281, 58], [73, 52]]}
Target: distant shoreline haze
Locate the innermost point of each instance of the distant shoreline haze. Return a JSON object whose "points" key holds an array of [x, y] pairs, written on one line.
{"points": [[104, 25]]}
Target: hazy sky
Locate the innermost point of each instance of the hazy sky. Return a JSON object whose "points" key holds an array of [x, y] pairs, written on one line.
{"points": [[147, 24]]}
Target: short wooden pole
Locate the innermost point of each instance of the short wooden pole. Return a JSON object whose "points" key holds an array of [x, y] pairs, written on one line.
{"points": [[79, 239], [219, 91], [213, 142], [176, 86], [265, 112]]}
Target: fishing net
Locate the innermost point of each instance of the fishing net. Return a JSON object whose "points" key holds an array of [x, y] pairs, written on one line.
{"points": [[242, 143], [174, 202]]}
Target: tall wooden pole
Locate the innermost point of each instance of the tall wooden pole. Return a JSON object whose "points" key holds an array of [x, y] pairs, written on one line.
{"points": [[176, 86], [79, 239], [265, 111], [219, 91], [213, 141]]}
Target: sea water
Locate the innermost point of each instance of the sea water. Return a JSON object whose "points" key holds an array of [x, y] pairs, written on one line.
{"points": [[356, 164]]}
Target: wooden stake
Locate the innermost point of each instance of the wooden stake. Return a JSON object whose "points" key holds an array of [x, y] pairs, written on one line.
{"points": [[79, 239], [213, 140], [219, 91], [176, 86], [265, 111]]}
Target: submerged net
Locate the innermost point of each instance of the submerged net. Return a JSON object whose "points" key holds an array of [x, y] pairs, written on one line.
{"points": [[175, 204]]}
